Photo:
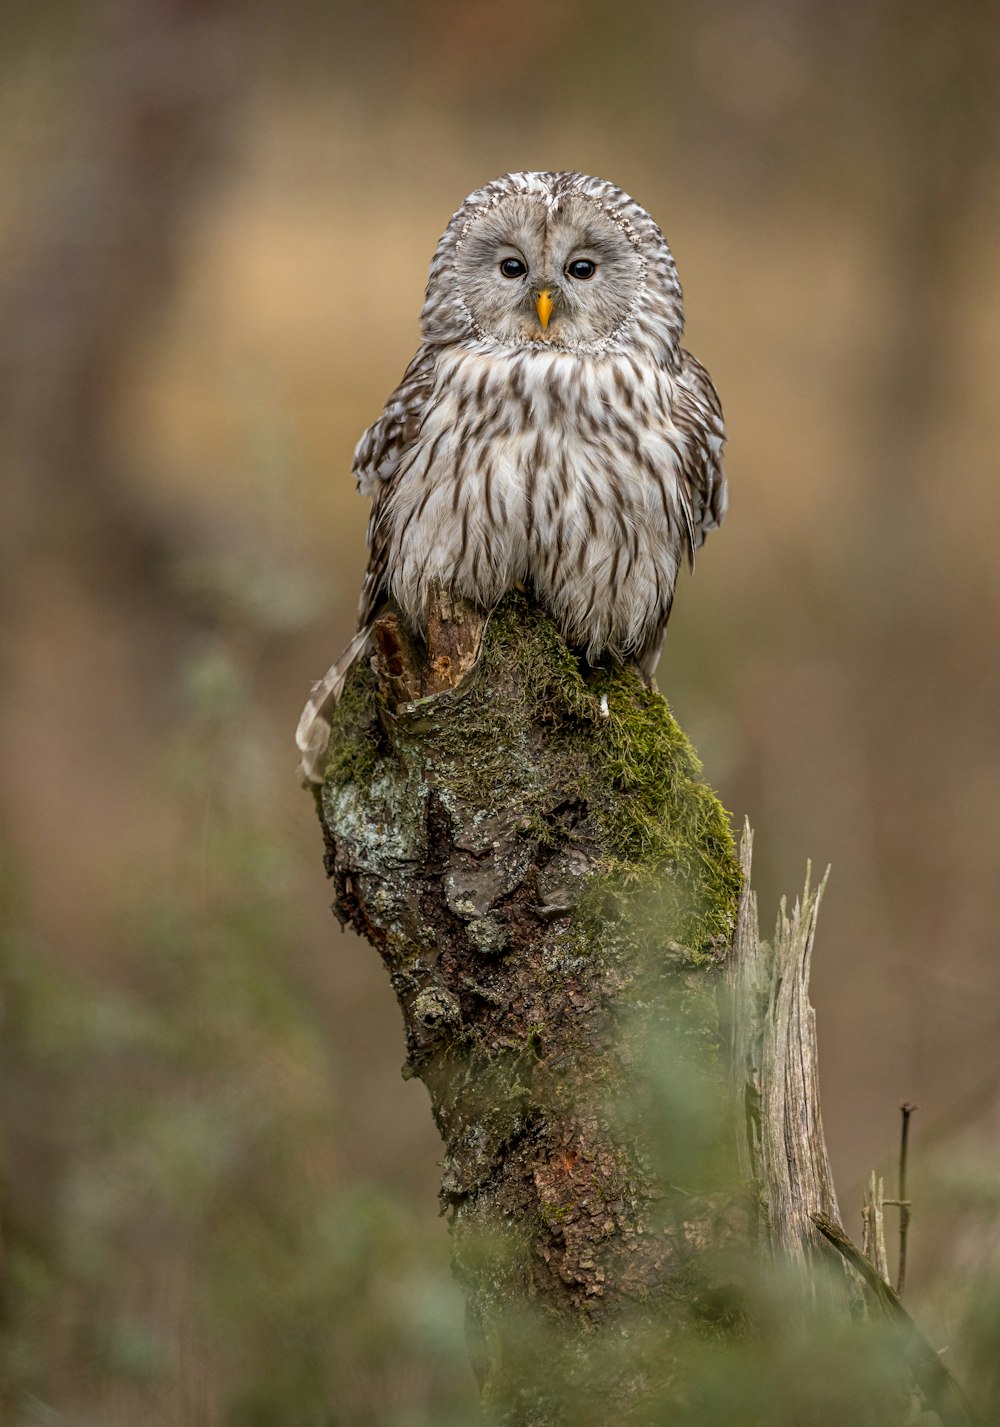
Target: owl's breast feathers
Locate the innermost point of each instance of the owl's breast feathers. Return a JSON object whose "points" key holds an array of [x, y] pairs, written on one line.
{"points": [[588, 477]]}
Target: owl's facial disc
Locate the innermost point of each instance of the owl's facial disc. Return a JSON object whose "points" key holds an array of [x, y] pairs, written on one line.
{"points": [[564, 274]]}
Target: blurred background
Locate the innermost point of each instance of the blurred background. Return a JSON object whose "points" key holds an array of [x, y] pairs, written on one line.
{"points": [[218, 1197]]}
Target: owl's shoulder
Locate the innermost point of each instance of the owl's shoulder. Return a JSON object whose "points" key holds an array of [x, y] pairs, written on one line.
{"points": [[381, 448]]}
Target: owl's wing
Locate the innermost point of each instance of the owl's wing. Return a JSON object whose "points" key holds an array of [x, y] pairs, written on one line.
{"points": [[698, 414], [379, 455], [377, 458]]}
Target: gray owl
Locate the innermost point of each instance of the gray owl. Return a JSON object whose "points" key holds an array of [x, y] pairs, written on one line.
{"points": [[550, 432]]}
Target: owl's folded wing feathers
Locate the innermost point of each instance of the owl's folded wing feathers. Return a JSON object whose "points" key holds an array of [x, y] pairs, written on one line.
{"points": [[378, 457], [376, 460], [698, 414]]}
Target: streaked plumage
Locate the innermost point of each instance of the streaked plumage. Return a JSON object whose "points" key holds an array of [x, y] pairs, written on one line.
{"points": [[580, 456]]}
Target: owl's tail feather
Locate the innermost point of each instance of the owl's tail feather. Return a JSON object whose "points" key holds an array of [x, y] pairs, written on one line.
{"points": [[648, 658], [313, 732]]}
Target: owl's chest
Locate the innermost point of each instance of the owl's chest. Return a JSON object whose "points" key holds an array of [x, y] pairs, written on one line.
{"points": [[539, 473], [546, 429]]}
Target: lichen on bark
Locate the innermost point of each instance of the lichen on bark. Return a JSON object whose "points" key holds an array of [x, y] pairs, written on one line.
{"points": [[552, 888]]}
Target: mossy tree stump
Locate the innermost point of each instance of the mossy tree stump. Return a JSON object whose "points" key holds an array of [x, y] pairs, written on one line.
{"points": [[550, 886], [557, 899]]}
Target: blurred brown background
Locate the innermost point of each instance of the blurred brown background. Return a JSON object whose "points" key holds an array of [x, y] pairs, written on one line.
{"points": [[218, 1196]]}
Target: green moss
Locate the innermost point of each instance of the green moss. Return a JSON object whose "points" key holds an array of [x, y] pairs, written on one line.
{"points": [[670, 833], [669, 839], [353, 750]]}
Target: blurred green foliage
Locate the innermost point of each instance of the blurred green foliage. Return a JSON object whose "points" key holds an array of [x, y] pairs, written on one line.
{"points": [[200, 1243]]}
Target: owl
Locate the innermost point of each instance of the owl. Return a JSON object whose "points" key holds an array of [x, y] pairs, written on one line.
{"points": [[551, 432]]}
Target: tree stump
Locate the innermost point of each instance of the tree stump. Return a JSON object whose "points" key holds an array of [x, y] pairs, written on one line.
{"points": [[622, 1072], [552, 888]]}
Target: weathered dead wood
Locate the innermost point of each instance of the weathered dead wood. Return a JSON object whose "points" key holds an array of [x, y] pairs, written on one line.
{"points": [[873, 1227], [771, 1031], [404, 674], [774, 1061]]}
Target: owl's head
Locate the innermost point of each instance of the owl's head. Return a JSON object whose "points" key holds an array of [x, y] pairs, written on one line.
{"points": [[558, 260]]}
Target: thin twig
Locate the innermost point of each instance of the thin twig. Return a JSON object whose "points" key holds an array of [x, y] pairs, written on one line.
{"points": [[904, 1204]]}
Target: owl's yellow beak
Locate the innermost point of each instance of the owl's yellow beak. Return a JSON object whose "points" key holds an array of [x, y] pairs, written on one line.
{"points": [[543, 306]]}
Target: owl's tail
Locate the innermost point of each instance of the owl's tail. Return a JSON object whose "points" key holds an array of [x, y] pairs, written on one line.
{"points": [[313, 732]]}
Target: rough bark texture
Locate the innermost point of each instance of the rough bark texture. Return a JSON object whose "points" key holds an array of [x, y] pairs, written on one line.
{"points": [[553, 891]]}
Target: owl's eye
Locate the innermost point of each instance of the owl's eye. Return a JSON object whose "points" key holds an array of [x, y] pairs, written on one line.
{"points": [[513, 267], [581, 268]]}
